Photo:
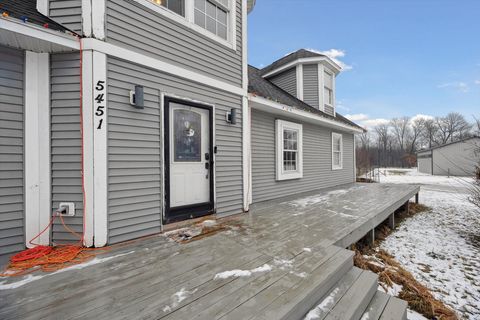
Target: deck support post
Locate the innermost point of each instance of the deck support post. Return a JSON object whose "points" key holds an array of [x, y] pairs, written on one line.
{"points": [[391, 221], [416, 198], [370, 237], [407, 207]]}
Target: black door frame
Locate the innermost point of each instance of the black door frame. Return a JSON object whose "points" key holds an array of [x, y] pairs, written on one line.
{"points": [[198, 209]]}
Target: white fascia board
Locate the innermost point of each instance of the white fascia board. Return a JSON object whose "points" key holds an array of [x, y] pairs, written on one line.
{"points": [[100, 167], [270, 106], [37, 148], [62, 39], [87, 18], [324, 60], [88, 146], [141, 59], [98, 19]]}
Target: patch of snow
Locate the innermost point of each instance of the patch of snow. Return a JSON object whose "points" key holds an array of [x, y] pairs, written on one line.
{"points": [[441, 248], [365, 316], [413, 315], [307, 249], [30, 278], [242, 273], [324, 306], [299, 274], [283, 263], [394, 290], [177, 298], [209, 223]]}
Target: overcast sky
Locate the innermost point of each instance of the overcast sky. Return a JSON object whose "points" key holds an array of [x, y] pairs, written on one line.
{"points": [[402, 57]]}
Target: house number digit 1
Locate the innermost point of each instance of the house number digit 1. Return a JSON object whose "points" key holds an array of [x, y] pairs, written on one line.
{"points": [[99, 99]]}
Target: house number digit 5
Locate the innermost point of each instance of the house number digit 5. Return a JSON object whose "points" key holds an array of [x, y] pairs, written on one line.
{"points": [[99, 101]]}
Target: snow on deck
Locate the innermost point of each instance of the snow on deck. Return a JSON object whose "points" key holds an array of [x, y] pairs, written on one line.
{"points": [[441, 248]]}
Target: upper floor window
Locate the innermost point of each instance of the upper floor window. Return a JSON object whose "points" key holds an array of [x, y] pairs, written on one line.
{"points": [[177, 6], [212, 15], [328, 88]]}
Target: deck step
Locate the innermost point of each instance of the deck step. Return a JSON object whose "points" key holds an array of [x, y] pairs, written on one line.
{"points": [[396, 309], [303, 295], [385, 307], [353, 303]]}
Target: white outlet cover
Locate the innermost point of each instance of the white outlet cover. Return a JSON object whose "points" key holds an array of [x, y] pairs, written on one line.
{"points": [[71, 208]]}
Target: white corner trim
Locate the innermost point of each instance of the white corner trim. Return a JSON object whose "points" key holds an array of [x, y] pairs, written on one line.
{"points": [[188, 21], [38, 209], [141, 59], [321, 60], [321, 85], [100, 152], [87, 18], [299, 77], [337, 167], [244, 46], [98, 19], [354, 158], [246, 147], [40, 33], [280, 174], [266, 105], [333, 95], [42, 7], [88, 146]]}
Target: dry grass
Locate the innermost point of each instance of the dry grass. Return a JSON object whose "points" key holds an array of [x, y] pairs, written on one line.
{"points": [[389, 271]]}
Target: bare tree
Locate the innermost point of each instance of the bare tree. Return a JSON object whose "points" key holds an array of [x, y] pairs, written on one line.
{"points": [[453, 126], [417, 126], [383, 141], [476, 126], [400, 130], [430, 132]]}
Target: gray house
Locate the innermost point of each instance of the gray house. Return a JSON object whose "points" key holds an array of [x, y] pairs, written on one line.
{"points": [[132, 114], [458, 158]]}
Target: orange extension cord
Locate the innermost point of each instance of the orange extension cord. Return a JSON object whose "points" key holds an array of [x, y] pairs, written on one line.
{"points": [[52, 258]]}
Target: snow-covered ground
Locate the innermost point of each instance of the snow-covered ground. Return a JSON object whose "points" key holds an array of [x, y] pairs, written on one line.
{"points": [[441, 248]]}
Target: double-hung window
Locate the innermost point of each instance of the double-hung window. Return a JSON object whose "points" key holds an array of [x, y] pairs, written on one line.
{"points": [[289, 160], [212, 18], [328, 89], [337, 151]]}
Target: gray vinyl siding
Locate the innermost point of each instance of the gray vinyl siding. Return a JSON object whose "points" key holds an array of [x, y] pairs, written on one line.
{"points": [[134, 149], [66, 141], [12, 236], [424, 162], [317, 160], [310, 85], [133, 26], [329, 110], [286, 80], [67, 13], [457, 159]]}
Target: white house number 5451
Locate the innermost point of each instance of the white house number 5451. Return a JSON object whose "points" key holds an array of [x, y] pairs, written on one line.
{"points": [[99, 102]]}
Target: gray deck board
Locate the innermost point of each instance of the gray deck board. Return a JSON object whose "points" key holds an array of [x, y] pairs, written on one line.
{"points": [[377, 305], [395, 309], [139, 279]]}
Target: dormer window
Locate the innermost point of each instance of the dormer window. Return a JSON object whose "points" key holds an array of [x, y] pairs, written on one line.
{"points": [[177, 6], [328, 90]]}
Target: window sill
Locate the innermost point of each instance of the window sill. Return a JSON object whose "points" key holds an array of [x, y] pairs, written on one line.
{"points": [[289, 176], [189, 24], [337, 168]]}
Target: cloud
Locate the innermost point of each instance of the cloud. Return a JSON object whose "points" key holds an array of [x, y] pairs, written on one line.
{"points": [[457, 85], [421, 116], [365, 121], [334, 54], [477, 82]]}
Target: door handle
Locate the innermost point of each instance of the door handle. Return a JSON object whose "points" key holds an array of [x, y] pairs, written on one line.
{"points": [[207, 165]]}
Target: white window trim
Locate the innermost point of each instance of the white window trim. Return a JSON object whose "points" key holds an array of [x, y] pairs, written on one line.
{"points": [[280, 126], [188, 21], [337, 167], [332, 105]]}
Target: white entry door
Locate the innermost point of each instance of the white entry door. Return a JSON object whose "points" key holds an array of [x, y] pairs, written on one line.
{"points": [[190, 157]]}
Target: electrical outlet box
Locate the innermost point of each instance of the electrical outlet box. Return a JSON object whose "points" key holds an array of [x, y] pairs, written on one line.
{"points": [[69, 209]]}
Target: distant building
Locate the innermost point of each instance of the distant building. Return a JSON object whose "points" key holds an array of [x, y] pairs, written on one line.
{"points": [[457, 158]]}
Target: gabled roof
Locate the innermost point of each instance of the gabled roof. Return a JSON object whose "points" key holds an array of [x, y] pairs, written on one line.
{"points": [[27, 9], [299, 54], [447, 144], [259, 86]]}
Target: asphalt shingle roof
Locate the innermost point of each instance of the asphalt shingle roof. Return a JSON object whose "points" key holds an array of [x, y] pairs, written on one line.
{"points": [[299, 54], [259, 86], [20, 9]]}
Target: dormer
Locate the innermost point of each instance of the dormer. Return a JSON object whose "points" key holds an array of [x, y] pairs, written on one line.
{"points": [[307, 75]]}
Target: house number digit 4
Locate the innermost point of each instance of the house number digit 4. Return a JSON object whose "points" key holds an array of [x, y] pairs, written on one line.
{"points": [[99, 99]]}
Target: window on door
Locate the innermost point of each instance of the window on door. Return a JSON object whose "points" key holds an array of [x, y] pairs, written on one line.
{"points": [[289, 150]]}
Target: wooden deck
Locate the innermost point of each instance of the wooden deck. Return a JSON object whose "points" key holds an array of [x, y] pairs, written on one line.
{"points": [[290, 254]]}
